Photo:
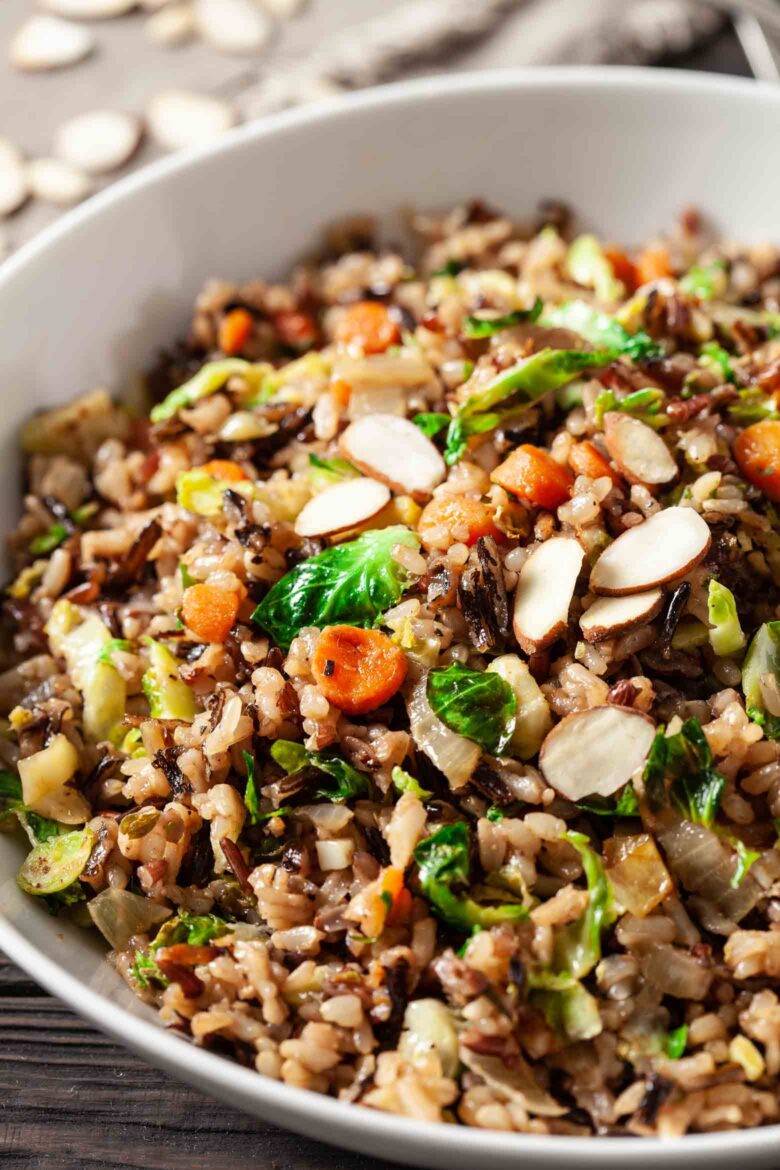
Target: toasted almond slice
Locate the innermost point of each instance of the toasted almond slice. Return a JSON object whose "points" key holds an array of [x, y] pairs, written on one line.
{"points": [[662, 549], [57, 182], [396, 451], [596, 752], [46, 42], [610, 616], [88, 9], [233, 26], [98, 141], [179, 118], [283, 9], [345, 505], [544, 592], [14, 188], [170, 26], [639, 452]]}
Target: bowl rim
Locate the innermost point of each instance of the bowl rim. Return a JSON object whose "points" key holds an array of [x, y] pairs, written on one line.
{"points": [[326, 1118]]}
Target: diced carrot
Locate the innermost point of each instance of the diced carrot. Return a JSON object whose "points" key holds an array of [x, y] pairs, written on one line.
{"points": [[457, 514], [623, 267], [586, 459], [369, 326], [234, 331], [757, 452], [532, 474], [393, 890], [341, 391], [225, 469], [296, 329], [209, 611], [653, 263], [357, 670]]}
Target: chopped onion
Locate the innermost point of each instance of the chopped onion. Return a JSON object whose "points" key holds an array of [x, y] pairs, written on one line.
{"points": [[428, 1024], [453, 754], [327, 818], [516, 1081], [638, 876], [675, 973], [119, 915], [705, 866], [368, 400], [335, 854]]}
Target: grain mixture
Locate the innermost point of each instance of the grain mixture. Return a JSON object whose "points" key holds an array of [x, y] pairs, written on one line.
{"points": [[400, 695]]}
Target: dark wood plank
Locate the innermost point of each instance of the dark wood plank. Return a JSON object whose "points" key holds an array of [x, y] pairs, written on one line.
{"points": [[70, 1099]]}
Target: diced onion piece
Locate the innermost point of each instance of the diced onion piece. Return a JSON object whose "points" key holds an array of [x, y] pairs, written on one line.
{"points": [[335, 854], [342, 506], [639, 452], [396, 451], [428, 1025], [533, 720], [515, 1081], [544, 592], [119, 915], [596, 752], [675, 973], [610, 616], [47, 771], [637, 874], [705, 866], [662, 549], [453, 754], [367, 400]]}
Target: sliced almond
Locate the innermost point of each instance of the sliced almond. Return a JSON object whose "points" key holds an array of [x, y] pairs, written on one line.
{"points": [[14, 188], [88, 9], [179, 118], [283, 9], [662, 549], [345, 505], [544, 592], [232, 26], [98, 141], [46, 42], [171, 26], [396, 451], [610, 616], [639, 452], [596, 752], [57, 182]]}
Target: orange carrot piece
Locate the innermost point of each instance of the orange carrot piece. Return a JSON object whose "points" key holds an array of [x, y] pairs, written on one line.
{"points": [[209, 611], [757, 452], [586, 459], [294, 328], [623, 267], [357, 670], [368, 326], [457, 514], [234, 331], [341, 391], [652, 264], [225, 469], [532, 474]]}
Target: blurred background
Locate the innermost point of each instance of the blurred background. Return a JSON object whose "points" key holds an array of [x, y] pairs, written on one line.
{"points": [[92, 89]]}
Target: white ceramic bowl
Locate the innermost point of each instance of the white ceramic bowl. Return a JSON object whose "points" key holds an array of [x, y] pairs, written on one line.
{"points": [[90, 300]]}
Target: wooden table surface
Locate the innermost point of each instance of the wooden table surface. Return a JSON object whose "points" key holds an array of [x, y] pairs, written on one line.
{"points": [[70, 1099]]}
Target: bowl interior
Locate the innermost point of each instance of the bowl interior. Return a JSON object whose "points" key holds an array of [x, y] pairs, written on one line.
{"points": [[92, 300]]}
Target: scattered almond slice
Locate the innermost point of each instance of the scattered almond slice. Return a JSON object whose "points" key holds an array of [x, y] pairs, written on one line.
{"points": [[98, 141], [179, 118], [656, 552], [283, 9], [610, 616], [88, 9], [596, 752], [13, 178], [46, 42], [57, 182], [171, 25], [544, 592], [232, 26], [639, 452], [345, 505], [396, 451]]}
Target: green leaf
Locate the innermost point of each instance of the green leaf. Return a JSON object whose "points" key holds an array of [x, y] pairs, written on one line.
{"points": [[443, 861], [403, 782], [328, 471], [108, 649], [168, 696], [187, 578], [626, 805], [578, 946], [753, 406], [714, 357], [745, 859], [601, 330], [451, 268], [588, 265], [726, 636], [195, 929], [431, 424], [47, 541], [675, 1042], [54, 864], [705, 281], [679, 772], [10, 787], [642, 404], [495, 814], [250, 792], [208, 380], [293, 757], [478, 704], [571, 1012], [762, 658], [476, 327], [351, 583], [146, 973]]}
